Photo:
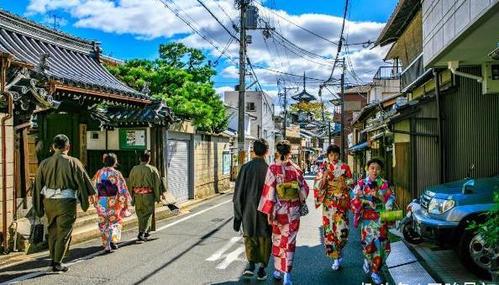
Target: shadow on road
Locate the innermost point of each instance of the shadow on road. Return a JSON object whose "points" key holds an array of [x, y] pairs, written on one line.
{"points": [[201, 239], [43, 263]]}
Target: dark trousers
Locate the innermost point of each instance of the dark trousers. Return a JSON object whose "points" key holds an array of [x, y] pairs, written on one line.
{"points": [[61, 215]]}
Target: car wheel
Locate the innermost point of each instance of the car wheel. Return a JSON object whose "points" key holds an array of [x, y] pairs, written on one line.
{"points": [[410, 234], [475, 254]]}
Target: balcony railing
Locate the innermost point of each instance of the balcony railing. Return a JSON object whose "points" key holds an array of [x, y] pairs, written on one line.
{"points": [[412, 72], [387, 73]]}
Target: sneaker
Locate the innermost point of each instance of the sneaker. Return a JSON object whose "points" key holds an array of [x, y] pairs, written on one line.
{"points": [[376, 277], [366, 267], [147, 236], [277, 275], [287, 279], [107, 250], [250, 270], [59, 268], [114, 246], [261, 274], [336, 265]]}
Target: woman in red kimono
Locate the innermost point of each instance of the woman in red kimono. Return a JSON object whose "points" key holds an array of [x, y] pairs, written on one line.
{"points": [[331, 191], [284, 194], [372, 196]]}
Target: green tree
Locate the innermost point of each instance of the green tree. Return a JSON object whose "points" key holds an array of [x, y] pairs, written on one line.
{"points": [[181, 77]]}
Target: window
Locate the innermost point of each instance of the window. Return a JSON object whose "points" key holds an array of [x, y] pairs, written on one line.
{"points": [[250, 107]]}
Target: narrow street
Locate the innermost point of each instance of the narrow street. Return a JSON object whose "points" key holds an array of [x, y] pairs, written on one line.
{"points": [[196, 248]]}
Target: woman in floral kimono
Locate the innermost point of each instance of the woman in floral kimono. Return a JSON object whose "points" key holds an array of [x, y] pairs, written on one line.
{"points": [[112, 205], [331, 190], [373, 195], [283, 201]]}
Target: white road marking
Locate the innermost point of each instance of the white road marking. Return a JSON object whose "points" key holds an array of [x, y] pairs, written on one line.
{"points": [[219, 253], [193, 215], [87, 257], [231, 257]]}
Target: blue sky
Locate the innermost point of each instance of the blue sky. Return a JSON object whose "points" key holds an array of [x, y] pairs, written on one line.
{"points": [[124, 38]]}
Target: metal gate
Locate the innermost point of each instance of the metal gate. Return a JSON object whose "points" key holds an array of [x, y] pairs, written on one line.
{"points": [[178, 169]]}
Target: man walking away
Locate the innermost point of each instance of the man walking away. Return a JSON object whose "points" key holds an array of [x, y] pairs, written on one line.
{"points": [[145, 185], [256, 230], [60, 181]]}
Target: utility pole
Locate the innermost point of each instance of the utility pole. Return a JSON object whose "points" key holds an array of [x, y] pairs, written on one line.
{"points": [[343, 140], [284, 123], [241, 142]]}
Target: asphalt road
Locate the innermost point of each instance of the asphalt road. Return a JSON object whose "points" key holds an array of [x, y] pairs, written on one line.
{"points": [[199, 247]]}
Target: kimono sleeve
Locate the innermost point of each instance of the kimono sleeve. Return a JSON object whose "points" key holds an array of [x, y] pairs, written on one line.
{"points": [[318, 188], [348, 174], [388, 195], [85, 185], [304, 190], [157, 184], [268, 198]]}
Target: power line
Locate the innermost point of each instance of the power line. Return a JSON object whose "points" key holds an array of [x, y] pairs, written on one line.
{"points": [[234, 25], [341, 40], [218, 21], [176, 12], [303, 28]]}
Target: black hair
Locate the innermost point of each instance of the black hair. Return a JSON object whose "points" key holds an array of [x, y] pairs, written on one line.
{"points": [[145, 156], [375, 160], [260, 147], [333, 149], [110, 159], [283, 148], [60, 141]]}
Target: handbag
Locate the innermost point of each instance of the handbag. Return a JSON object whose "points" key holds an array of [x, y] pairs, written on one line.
{"points": [[37, 231], [304, 209], [393, 215]]}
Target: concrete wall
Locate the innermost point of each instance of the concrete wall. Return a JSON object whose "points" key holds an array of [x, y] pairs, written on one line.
{"points": [[446, 20], [383, 89], [208, 165], [10, 174]]}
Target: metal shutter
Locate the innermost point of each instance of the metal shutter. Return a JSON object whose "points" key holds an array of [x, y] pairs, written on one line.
{"points": [[178, 169]]}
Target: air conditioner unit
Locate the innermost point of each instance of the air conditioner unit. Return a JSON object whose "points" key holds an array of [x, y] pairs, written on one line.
{"points": [[490, 84]]}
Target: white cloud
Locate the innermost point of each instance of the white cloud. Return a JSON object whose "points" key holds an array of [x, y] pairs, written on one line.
{"points": [[151, 19]]}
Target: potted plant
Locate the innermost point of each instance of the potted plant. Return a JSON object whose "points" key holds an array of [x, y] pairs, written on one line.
{"points": [[489, 232]]}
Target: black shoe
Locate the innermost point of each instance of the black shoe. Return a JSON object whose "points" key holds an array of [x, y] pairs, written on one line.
{"points": [[147, 236], [250, 270], [140, 238], [261, 275], [59, 268], [114, 246]]}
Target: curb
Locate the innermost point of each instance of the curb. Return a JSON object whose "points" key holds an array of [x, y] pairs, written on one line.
{"points": [[405, 268]]}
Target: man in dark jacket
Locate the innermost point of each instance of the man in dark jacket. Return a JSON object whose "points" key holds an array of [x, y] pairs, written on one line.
{"points": [[61, 180], [256, 230]]}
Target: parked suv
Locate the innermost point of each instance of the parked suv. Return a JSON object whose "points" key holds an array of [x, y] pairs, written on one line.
{"points": [[447, 210]]}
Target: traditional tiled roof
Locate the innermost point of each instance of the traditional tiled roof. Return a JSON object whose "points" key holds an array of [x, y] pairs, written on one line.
{"points": [[154, 114], [68, 60]]}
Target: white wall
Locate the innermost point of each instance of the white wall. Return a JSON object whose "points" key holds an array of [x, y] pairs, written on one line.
{"points": [[445, 20], [113, 140]]}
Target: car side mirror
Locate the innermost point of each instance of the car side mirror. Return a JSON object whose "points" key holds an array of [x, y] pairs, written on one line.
{"points": [[469, 189]]}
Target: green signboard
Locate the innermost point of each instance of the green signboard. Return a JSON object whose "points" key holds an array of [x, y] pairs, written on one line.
{"points": [[133, 139]]}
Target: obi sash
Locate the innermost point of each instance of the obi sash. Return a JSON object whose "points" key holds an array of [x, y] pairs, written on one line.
{"points": [[142, 190]]}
